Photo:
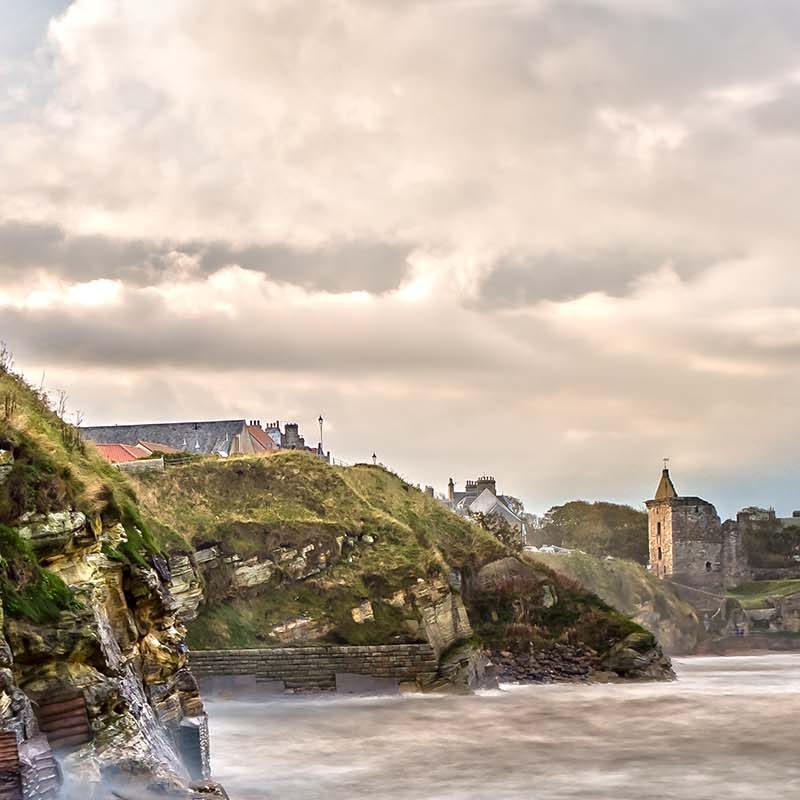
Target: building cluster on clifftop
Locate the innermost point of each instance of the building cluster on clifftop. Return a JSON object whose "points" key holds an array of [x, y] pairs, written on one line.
{"points": [[480, 497], [127, 443]]}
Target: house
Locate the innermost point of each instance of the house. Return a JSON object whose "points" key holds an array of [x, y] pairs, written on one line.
{"points": [[122, 453], [481, 497], [118, 453], [223, 437]]}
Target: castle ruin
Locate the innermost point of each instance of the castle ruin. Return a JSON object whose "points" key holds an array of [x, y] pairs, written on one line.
{"points": [[688, 542]]}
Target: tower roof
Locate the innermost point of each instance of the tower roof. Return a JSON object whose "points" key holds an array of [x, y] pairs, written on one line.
{"points": [[666, 489]]}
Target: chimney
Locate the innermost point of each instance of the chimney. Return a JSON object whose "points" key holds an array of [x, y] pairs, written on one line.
{"points": [[486, 482], [451, 490]]}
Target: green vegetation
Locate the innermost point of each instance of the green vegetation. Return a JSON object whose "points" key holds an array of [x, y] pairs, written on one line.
{"points": [[601, 529], [378, 535], [632, 590], [26, 589], [769, 544], [756, 593], [53, 470]]}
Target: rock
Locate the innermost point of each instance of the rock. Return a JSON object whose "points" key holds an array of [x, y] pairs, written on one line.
{"points": [[301, 630], [507, 574], [638, 656], [57, 533], [397, 600], [252, 573], [444, 617], [185, 587], [363, 613], [465, 668], [6, 464]]}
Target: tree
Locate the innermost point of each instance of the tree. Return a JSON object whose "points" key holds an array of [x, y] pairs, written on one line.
{"points": [[601, 529], [501, 528]]}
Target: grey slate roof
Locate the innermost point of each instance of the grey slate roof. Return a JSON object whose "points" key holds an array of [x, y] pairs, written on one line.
{"points": [[194, 437]]}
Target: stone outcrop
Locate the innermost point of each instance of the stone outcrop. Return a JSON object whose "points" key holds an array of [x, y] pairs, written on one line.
{"points": [[6, 464], [119, 651], [638, 657], [444, 618]]}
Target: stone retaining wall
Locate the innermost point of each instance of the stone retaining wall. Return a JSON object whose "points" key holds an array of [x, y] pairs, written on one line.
{"points": [[315, 668]]}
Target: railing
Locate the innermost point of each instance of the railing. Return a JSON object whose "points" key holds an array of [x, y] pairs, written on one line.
{"points": [[180, 461]]}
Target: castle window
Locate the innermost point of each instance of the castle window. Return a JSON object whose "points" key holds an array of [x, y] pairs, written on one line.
{"points": [[659, 554], [658, 529], [708, 566]]}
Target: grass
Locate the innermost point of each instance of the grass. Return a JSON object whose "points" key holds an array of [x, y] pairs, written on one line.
{"points": [[27, 590], [54, 471], [755, 594], [392, 535]]}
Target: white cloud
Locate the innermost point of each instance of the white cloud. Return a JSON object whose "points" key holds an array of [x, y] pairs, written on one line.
{"points": [[454, 137]]}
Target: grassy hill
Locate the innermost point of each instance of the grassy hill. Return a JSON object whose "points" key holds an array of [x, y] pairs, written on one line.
{"points": [[383, 540]]}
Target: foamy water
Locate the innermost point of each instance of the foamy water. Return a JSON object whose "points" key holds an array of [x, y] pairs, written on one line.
{"points": [[727, 729]]}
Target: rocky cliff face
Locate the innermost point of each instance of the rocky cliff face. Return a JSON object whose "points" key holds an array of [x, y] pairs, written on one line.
{"points": [[629, 588], [287, 550], [92, 654]]}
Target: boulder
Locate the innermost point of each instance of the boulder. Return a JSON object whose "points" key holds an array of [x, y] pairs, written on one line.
{"points": [[442, 612], [638, 656], [363, 613]]}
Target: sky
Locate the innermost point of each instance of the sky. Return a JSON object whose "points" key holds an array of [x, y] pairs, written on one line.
{"points": [[549, 240]]}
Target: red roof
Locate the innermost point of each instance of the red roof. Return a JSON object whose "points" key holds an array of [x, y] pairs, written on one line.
{"points": [[260, 438], [122, 453], [157, 447]]}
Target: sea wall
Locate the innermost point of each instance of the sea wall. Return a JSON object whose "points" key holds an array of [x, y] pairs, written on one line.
{"points": [[316, 668]]}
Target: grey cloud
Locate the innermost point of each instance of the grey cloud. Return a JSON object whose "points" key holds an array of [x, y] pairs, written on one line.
{"points": [[146, 334], [558, 276], [370, 266], [341, 267], [782, 115]]}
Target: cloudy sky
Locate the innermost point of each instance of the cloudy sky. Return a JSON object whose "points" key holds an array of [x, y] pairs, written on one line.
{"points": [[554, 240]]}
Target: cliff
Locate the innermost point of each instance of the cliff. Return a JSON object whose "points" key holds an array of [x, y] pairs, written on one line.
{"points": [[631, 589], [288, 550], [92, 654]]}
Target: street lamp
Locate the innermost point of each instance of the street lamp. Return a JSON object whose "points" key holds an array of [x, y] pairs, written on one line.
{"points": [[321, 448], [374, 459]]}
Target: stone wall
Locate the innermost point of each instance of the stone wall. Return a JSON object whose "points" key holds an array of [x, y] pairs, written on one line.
{"points": [[316, 668], [686, 541]]}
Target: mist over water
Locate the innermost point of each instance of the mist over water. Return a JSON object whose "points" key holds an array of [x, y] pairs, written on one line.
{"points": [[727, 728]]}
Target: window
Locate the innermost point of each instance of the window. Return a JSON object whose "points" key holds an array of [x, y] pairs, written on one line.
{"points": [[658, 529], [708, 566], [659, 554]]}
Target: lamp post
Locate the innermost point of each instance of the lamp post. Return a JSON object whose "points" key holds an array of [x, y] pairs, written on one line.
{"points": [[321, 448], [374, 459]]}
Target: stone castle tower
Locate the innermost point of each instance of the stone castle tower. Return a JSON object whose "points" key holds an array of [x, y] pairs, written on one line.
{"points": [[685, 536], [688, 543]]}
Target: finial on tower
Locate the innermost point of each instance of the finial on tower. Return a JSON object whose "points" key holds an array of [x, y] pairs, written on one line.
{"points": [[666, 488]]}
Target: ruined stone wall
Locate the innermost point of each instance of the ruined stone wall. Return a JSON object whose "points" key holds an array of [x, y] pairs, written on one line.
{"points": [[735, 569], [316, 668], [696, 542]]}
